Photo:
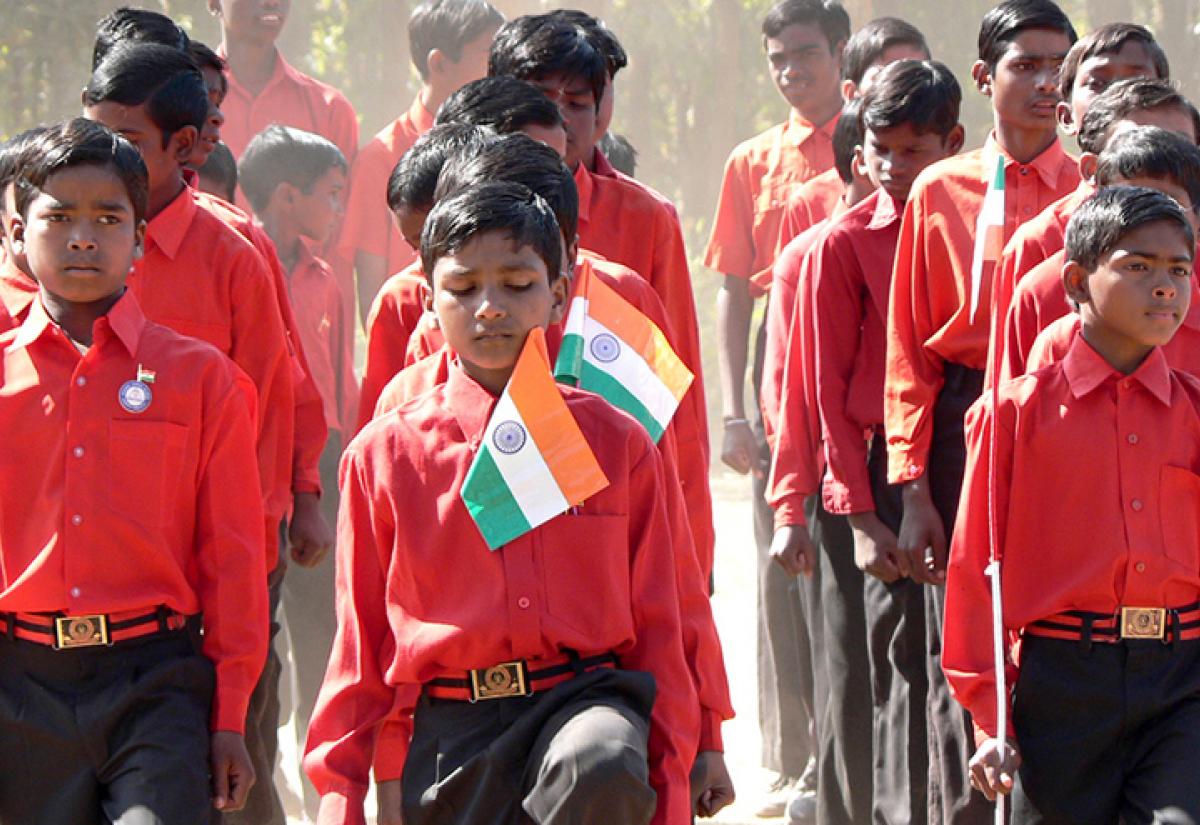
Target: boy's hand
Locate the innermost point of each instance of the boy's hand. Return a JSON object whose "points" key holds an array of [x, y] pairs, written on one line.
{"points": [[875, 550], [232, 773], [712, 789], [792, 549], [738, 447], [309, 533], [390, 802], [922, 537], [993, 767]]}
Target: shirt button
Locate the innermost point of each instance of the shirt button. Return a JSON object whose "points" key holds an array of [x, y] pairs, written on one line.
{"points": [[78, 452], [1024, 171], [81, 381], [1140, 567], [1132, 438], [523, 602], [76, 592], [1136, 504], [77, 519]]}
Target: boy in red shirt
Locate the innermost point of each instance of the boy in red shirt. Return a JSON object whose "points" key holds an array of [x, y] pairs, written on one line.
{"points": [[148, 529], [1105, 720], [938, 322], [608, 744], [294, 180], [448, 41]]}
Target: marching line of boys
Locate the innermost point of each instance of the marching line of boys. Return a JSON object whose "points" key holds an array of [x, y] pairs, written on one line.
{"points": [[523, 629]]}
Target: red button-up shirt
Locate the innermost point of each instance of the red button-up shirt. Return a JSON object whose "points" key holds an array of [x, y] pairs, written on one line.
{"points": [[853, 268], [394, 315], [104, 510], [1038, 301], [1077, 443], [929, 317], [201, 278], [17, 292], [810, 203], [406, 614]]}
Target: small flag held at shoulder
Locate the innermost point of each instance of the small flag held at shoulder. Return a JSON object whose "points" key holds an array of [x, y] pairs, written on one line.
{"points": [[989, 233], [611, 348], [533, 462]]}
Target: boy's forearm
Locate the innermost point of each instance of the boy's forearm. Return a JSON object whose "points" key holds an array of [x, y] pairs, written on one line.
{"points": [[734, 309]]}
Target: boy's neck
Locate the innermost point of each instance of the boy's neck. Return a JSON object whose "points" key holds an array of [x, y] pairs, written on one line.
{"points": [[494, 381], [252, 62], [285, 237], [858, 190], [1123, 356], [165, 195], [432, 99], [77, 320], [821, 113], [1023, 145]]}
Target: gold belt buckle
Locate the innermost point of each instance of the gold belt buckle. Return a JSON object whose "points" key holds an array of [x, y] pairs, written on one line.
{"points": [[80, 631], [1143, 623], [500, 681]]}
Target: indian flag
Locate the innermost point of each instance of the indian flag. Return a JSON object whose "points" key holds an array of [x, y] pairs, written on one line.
{"points": [[989, 233], [533, 463], [610, 348]]}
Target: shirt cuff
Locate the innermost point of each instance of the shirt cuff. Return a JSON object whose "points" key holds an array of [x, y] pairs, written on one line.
{"points": [[391, 751], [904, 466], [343, 807], [845, 499], [789, 512], [229, 710], [710, 731], [302, 486]]}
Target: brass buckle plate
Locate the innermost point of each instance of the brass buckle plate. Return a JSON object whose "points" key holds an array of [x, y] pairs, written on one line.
{"points": [[80, 631], [1143, 622], [500, 681]]}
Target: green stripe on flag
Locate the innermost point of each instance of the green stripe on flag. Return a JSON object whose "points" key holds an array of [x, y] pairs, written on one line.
{"points": [[490, 503], [570, 359], [614, 392]]}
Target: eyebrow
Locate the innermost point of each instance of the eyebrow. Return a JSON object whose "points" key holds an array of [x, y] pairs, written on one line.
{"points": [[1036, 56], [112, 206], [1142, 253]]}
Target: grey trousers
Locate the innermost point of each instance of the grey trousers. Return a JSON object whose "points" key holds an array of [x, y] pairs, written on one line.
{"points": [[573, 755]]}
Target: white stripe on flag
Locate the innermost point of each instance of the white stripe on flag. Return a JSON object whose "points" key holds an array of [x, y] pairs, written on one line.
{"points": [[632, 371], [577, 317], [529, 479]]}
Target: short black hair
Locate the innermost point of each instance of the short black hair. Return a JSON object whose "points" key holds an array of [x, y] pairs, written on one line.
{"points": [[828, 15], [1004, 22], [163, 78], [539, 45], [492, 207], [869, 43], [504, 104], [414, 179], [1151, 152], [448, 26], [129, 25], [204, 57], [1109, 39], [518, 159], [81, 142], [601, 35], [221, 168], [922, 93], [847, 136], [11, 152], [1122, 99], [1101, 221], [620, 152], [283, 154]]}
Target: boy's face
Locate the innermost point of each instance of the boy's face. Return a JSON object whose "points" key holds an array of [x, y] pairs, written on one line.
{"points": [[471, 64], [259, 21], [410, 220], [553, 136], [317, 212], [1139, 293], [135, 125], [608, 102], [487, 297], [894, 157], [210, 135], [1023, 85], [1097, 73], [79, 234], [577, 103], [900, 51], [805, 69]]}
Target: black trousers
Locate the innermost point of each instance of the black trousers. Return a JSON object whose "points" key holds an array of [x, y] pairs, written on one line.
{"points": [[1107, 734], [110, 735], [842, 679], [951, 741], [899, 684], [576, 754]]}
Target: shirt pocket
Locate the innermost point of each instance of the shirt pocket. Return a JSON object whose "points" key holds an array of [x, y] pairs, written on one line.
{"points": [[1179, 513], [146, 461], [586, 569]]}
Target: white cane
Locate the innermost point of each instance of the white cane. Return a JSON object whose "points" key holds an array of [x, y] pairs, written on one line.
{"points": [[993, 570]]}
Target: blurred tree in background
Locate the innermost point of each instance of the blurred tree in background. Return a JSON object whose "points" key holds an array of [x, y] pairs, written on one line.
{"points": [[695, 87]]}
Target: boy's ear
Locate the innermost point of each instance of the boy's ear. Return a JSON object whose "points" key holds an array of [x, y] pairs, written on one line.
{"points": [[859, 164], [436, 61], [183, 143], [139, 239], [1065, 118], [1088, 162], [214, 8], [954, 141], [558, 296], [849, 90], [427, 296], [982, 75], [1075, 283], [16, 233]]}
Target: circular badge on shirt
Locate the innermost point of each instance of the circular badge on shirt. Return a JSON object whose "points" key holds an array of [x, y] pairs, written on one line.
{"points": [[509, 437], [135, 396], [605, 348]]}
